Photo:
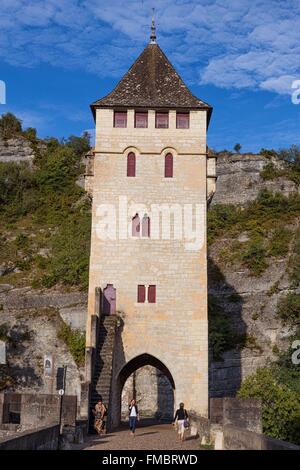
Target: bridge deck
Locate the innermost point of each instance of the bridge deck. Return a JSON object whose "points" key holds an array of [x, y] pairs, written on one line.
{"points": [[154, 437]]}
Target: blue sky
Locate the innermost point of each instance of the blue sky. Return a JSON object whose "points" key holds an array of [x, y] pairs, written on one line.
{"points": [[241, 56]]}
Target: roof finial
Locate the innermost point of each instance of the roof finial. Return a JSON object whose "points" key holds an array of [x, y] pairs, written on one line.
{"points": [[153, 30]]}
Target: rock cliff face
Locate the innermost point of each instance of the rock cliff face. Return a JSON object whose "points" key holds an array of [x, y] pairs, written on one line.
{"points": [[34, 316], [249, 301], [16, 150], [239, 179]]}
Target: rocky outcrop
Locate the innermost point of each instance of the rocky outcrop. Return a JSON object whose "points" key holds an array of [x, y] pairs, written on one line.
{"points": [[239, 179], [15, 150], [33, 319]]}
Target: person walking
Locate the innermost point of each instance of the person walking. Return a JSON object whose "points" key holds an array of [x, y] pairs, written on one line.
{"points": [[100, 414], [133, 416], [182, 419]]}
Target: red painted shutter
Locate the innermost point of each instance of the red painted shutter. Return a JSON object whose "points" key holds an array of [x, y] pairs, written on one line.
{"points": [[146, 226], [131, 164], [136, 226], [162, 120], [152, 294], [141, 119], [182, 120], [141, 294], [169, 165]]}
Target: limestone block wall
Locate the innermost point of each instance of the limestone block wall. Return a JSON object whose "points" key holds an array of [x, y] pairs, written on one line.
{"points": [[174, 329]]}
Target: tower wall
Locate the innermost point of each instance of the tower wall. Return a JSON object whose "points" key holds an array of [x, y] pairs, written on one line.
{"points": [[174, 329]]}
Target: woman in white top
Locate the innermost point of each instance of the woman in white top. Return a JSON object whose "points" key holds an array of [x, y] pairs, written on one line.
{"points": [[133, 416]]}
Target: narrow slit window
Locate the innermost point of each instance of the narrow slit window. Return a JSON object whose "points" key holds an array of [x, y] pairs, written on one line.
{"points": [[182, 120], [152, 294], [120, 119], [131, 164], [169, 165], [136, 226], [162, 120], [146, 226], [141, 294], [141, 119]]}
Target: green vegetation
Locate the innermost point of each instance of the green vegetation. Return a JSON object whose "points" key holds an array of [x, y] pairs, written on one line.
{"points": [[254, 255], [45, 215], [75, 341], [271, 172], [281, 405], [288, 308], [294, 261], [264, 221], [237, 148], [10, 126]]}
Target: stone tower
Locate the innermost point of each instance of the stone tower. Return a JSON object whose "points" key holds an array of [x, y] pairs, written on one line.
{"points": [[150, 178]]}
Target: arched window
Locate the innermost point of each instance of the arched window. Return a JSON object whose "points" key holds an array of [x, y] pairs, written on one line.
{"points": [[146, 226], [169, 165], [131, 164], [136, 226]]}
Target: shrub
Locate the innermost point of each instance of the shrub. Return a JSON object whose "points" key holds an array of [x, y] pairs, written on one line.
{"points": [[220, 218], [10, 126], [268, 153], [280, 405], [237, 148], [47, 199], [294, 261], [30, 134], [288, 308], [79, 145], [254, 256], [75, 341], [58, 170], [70, 246], [271, 172], [258, 217], [279, 242]]}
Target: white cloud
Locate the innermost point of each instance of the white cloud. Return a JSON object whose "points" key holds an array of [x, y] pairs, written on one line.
{"points": [[232, 44]]}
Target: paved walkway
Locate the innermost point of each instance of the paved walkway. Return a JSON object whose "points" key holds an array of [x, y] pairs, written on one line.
{"points": [[156, 437]]}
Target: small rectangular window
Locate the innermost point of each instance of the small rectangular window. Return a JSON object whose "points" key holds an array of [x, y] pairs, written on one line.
{"points": [[162, 120], [120, 119], [152, 294], [182, 120], [141, 119], [141, 294]]}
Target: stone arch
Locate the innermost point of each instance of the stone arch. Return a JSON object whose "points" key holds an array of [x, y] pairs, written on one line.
{"points": [[134, 365], [141, 360], [130, 149], [167, 150]]}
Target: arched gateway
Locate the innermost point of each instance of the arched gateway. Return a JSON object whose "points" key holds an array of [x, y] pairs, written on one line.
{"points": [[155, 309], [129, 369]]}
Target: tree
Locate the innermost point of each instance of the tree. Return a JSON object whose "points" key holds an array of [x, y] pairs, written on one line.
{"points": [[237, 148], [10, 126], [80, 145], [280, 404]]}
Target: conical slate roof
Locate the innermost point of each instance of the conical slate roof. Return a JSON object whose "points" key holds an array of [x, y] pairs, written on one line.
{"points": [[152, 82]]}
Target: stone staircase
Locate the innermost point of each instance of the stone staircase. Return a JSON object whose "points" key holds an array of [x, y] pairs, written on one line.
{"points": [[102, 374]]}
